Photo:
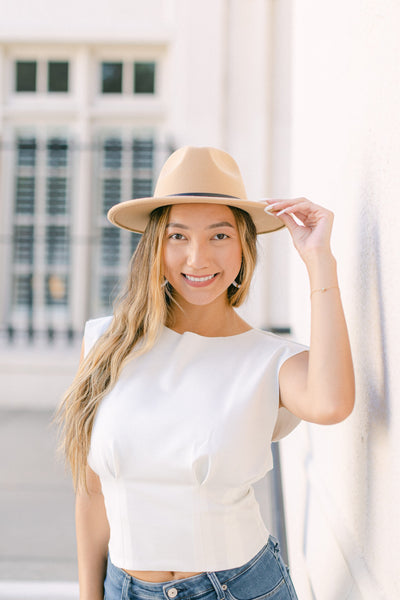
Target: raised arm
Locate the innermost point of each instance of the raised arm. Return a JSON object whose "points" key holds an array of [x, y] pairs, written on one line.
{"points": [[318, 385], [92, 535]]}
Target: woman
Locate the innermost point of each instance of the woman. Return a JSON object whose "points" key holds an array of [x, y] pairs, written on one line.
{"points": [[170, 417]]}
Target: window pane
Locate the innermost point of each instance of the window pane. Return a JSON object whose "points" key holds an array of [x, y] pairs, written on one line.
{"points": [[57, 150], [113, 153], [56, 196], [25, 196], [108, 289], [143, 151], [111, 193], [141, 188], [23, 244], [25, 80], [111, 73], [144, 76], [57, 245], [22, 293], [56, 290], [26, 152], [57, 76], [110, 245]]}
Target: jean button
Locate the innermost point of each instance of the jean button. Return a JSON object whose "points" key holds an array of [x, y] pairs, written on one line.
{"points": [[172, 592], [224, 586]]}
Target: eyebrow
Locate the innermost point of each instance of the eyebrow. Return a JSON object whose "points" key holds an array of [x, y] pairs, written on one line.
{"points": [[213, 226]]}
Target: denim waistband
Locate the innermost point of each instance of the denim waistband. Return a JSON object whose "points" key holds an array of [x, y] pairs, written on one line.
{"points": [[189, 586]]}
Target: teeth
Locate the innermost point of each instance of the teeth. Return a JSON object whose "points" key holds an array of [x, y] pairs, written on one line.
{"points": [[199, 278]]}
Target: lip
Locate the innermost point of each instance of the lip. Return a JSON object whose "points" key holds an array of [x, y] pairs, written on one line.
{"points": [[199, 283]]}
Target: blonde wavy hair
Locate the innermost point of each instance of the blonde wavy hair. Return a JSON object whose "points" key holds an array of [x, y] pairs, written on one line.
{"points": [[140, 311]]}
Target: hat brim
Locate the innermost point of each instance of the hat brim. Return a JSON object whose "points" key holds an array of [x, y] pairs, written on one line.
{"points": [[133, 215]]}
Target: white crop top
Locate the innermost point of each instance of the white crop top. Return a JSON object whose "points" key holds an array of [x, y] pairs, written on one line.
{"points": [[179, 441]]}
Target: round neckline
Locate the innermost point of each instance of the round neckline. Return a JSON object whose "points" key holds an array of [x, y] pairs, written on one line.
{"points": [[206, 337]]}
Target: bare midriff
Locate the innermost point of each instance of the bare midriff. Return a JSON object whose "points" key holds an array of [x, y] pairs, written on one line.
{"points": [[161, 576]]}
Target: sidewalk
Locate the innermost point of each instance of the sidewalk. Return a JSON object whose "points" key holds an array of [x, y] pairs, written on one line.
{"points": [[37, 539]]}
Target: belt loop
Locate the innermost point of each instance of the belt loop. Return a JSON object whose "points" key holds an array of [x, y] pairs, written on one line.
{"points": [[216, 584]]}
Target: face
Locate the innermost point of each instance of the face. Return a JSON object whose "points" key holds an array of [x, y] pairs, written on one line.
{"points": [[202, 253]]}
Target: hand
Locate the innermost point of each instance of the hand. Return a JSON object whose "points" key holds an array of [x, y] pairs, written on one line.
{"points": [[312, 235]]}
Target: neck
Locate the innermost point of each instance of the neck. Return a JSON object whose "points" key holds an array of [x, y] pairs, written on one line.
{"points": [[212, 320]]}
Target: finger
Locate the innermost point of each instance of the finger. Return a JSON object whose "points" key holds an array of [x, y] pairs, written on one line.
{"points": [[290, 222], [277, 209], [297, 209], [302, 216], [295, 205], [299, 214], [280, 202]]}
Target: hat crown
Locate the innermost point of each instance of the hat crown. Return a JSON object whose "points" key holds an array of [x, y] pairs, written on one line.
{"points": [[200, 170]]}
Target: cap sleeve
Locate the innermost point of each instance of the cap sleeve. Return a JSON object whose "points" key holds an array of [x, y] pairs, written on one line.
{"points": [[93, 330], [286, 422]]}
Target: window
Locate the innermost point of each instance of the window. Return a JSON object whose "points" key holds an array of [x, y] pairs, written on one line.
{"points": [[23, 244], [57, 76], [57, 152], [141, 187], [25, 80], [27, 152], [57, 245], [41, 229], [110, 246], [56, 195], [111, 77], [144, 75], [25, 195], [143, 154], [126, 171], [22, 291], [126, 77], [111, 193], [113, 153], [42, 76]]}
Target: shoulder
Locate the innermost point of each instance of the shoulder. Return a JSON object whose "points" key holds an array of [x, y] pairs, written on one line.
{"points": [[94, 328], [278, 342]]}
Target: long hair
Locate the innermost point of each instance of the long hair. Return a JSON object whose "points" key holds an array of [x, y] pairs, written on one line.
{"points": [[140, 311]]}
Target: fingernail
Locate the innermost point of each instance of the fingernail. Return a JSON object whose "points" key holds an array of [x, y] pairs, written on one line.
{"points": [[272, 205], [269, 212], [281, 212]]}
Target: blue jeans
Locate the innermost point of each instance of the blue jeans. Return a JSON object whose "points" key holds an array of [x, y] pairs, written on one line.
{"points": [[265, 576]]}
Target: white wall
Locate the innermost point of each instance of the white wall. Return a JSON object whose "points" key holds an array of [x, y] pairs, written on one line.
{"points": [[118, 21], [345, 153]]}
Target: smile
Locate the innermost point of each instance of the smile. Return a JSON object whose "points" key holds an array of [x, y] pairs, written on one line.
{"points": [[193, 278]]}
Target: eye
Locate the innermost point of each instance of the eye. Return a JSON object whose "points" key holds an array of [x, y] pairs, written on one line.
{"points": [[176, 236], [221, 236]]}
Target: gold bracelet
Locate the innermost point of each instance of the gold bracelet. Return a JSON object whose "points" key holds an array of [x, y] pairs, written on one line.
{"points": [[324, 289]]}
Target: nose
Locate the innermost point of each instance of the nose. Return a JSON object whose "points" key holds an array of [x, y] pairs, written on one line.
{"points": [[198, 256]]}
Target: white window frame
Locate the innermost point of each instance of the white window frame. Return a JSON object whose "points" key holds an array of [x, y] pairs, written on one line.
{"points": [[43, 316]]}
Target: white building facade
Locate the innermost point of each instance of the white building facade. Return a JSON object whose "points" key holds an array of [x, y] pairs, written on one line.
{"points": [[89, 110]]}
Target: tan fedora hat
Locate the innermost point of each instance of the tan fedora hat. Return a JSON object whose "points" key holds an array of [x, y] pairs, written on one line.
{"points": [[194, 175]]}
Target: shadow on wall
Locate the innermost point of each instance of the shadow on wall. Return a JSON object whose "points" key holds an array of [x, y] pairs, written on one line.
{"points": [[372, 327], [371, 365]]}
